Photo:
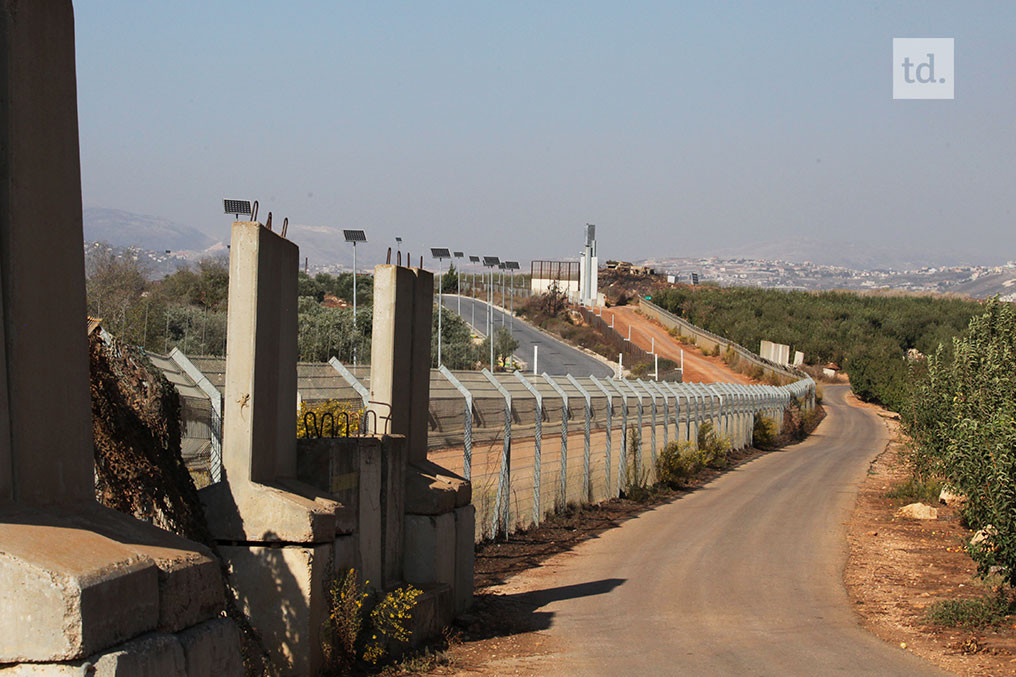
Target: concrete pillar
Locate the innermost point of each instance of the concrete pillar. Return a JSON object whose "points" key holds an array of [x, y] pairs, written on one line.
{"points": [[259, 498], [277, 534], [400, 353], [41, 262], [78, 582]]}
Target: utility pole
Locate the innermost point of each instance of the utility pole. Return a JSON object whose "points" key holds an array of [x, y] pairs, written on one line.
{"points": [[440, 254], [354, 236]]}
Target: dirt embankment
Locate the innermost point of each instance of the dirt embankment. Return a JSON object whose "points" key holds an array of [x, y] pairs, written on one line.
{"points": [[649, 335], [898, 567]]}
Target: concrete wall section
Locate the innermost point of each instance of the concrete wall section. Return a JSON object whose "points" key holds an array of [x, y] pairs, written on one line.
{"points": [[43, 292], [259, 442]]}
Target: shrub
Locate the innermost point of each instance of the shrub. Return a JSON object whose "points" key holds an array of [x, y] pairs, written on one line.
{"points": [[344, 633], [764, 432], [678, 462], [962, 418], [712, 446], [323, 415], [915, 489], [971, 614]]}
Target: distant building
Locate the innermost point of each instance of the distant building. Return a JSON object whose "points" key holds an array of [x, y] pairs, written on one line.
{"points": [[589, 269], [546, 273], [830, 370]]}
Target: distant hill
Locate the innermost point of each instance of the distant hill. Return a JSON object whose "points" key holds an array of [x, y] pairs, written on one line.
{"points": [[858, 255], [126, 229]]}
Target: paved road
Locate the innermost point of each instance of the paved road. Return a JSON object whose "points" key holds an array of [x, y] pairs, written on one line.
{"points": [[742, 577], [555, 358]]}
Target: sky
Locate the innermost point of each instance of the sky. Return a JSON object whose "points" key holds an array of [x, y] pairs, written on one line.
{"points": [[678, 128]]}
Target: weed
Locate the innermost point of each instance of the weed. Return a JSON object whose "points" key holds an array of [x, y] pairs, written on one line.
{"points": [[971, 614], [764, 432], [916, 489], [635, 483], [712, 446], [678, 462], [350, 634]]}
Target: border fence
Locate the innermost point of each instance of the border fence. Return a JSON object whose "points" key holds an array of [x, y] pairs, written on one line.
{"points": [[531, 445]]}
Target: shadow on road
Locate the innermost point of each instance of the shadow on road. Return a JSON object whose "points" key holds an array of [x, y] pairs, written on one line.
{"points": [[501, 615]]}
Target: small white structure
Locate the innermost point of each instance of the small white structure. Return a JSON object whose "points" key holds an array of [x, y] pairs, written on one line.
{"points": [[589, 269], [798, 358], [775, 352]]}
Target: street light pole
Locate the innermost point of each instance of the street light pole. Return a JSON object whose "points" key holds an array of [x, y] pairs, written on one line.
{"points": [[458, 280], [440, 254], [354, 236], [490, 262]]}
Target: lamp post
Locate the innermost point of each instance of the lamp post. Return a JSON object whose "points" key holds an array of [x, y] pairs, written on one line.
{"points": [[512, 266], [458, 280], [472, 289], [354, 236], [439, 254], [490, 262]]}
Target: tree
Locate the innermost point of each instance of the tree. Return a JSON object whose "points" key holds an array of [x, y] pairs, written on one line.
{"points": [[450, 280], [114, 288], [504, 346], [457, 348], [963, 422]]}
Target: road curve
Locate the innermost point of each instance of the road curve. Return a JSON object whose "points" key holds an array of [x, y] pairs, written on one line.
{"points": [[742, 577], [555, 357]]}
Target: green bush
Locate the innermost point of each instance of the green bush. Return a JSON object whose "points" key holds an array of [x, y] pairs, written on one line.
{"points": [[678, 462], [970, 614], [868, 334], [712, 446], [916, 489], [764, 432], [962, 420]]}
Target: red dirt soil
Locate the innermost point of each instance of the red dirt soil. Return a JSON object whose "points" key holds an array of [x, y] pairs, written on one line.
{"points": [[698, 368]]}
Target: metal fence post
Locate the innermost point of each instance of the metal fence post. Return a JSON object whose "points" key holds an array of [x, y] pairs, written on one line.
{"points": [[502, 503], [564, 435], [652, 425], [677, 409], [537, 446], [585, 456], [360, 389], [610, 416], [666, 410], [467, 436], [639, 409], [215, 401], [622, 461]]}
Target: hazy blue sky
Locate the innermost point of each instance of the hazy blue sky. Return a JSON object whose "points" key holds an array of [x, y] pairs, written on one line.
{"points": [[502, 128]]}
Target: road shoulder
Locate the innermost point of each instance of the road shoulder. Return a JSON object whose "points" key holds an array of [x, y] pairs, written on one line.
{"points": [[898, 567]]}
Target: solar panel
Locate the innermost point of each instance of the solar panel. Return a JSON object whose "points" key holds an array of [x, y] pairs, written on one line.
{"points": [[439, 253], [511, 265], [491, 260], [474, 259], [236, 207], [458, 255], [354, 236]]}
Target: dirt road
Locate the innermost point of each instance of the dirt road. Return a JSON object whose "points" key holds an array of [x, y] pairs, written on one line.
{"points": [[742, 577], [698, 368]]}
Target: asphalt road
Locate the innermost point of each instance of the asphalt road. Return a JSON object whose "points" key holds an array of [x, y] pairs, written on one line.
{"points": [[555, 358], [742, 577]]}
